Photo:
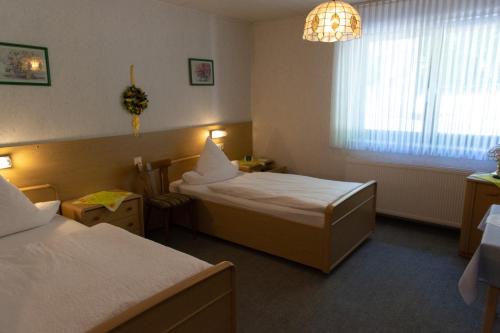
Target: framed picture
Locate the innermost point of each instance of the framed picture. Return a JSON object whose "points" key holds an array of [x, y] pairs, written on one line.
{"points": [[201, 72], [24, 64]]}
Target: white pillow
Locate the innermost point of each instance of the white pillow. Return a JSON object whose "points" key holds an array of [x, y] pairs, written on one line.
{"points": [[213, 166], [48, 209], [18, 213]]}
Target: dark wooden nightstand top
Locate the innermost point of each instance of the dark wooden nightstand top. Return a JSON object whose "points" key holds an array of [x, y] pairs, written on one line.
{"points": [[270, 167]]}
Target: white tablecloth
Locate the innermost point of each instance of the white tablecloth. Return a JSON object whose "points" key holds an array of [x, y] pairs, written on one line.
{"points": [[485, 263]]}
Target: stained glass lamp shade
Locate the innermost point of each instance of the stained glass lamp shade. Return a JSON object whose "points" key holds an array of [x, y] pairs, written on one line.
{"points": [[332, 21]]}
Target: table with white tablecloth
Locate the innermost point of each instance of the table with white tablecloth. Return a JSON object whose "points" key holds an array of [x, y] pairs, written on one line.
{"points": [[485, 267]]}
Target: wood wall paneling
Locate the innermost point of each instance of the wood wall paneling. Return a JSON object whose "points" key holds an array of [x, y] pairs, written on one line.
{"points": [[79, 167]]}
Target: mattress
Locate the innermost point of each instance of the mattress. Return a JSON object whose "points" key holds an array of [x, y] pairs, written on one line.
{"points": [[311, 218], [64, 277], [288, 190]]}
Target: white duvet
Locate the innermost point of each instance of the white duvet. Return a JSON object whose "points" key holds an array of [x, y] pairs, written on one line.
{"points": [[287, 190], [76, 282]]}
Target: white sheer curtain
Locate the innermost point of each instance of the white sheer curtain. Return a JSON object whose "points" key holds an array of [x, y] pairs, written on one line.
{"points": [[424, 79]]}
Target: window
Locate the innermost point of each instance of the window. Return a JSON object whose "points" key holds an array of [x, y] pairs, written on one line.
{"points": [[424, 79]]}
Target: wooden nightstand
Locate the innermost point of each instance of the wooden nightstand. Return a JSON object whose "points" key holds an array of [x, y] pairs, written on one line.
{"points": [[278, 169], [128, 216], [479, 196]]}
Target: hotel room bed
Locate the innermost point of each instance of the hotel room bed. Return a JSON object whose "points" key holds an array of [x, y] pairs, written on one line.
{"points": [[319, 238], [64, 276]]}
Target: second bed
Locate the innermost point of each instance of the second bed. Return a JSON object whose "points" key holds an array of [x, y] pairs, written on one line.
{"points": [[318, 233]]}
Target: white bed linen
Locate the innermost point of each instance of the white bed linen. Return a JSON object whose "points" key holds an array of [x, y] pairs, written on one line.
{"points": [[485, 263], [75, 281], [59, 226], [311, 218], [288, 190]]}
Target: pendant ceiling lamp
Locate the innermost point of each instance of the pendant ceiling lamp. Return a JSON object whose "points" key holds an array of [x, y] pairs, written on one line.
{"points": [[332, 21]]}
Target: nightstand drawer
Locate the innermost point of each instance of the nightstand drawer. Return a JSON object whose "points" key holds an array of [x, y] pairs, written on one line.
{"points": [[129, 223], [487, 193], [128, 208]]}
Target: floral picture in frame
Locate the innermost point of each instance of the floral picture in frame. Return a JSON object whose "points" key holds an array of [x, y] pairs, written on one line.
{"points": [[24, 65], [201, 72]]}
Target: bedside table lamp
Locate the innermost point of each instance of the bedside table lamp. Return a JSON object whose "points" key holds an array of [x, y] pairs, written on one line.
{"points": [[5, 162]]}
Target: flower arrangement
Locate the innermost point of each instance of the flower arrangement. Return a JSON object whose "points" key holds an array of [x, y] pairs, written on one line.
{"points": [[203, 71], [494, 154]]}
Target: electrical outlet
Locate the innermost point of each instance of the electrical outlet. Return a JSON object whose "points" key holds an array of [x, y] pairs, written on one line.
{"points": [[138, 162]]}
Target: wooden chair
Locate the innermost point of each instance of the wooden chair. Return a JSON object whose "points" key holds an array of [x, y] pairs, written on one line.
{"points": [[158, 196]]}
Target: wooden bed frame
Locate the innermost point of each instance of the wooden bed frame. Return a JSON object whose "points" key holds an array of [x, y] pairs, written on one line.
{"points": [[204, 302], [348, 222]]}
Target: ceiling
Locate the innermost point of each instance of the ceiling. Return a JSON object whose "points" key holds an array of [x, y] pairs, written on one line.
{"points": [[252, 10]]}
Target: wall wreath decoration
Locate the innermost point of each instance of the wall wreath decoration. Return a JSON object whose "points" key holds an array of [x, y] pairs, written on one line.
{"points": [[135, 101]]}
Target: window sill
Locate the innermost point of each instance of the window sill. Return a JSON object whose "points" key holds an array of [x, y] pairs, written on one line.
{"points": [[430, 163]]}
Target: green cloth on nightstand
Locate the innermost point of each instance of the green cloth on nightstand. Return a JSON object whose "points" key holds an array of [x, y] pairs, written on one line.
{"points": [[488, 177], [109, 199]]}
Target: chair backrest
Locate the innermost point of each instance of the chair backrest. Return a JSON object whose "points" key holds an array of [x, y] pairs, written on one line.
{"points": [[155, 177]]}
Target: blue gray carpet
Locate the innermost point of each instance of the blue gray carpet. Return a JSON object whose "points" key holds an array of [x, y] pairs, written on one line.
{"points": [[404, 279]]}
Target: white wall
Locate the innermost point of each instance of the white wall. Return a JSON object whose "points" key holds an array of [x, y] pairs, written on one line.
{"points": [[291, 94], [91, 45]]}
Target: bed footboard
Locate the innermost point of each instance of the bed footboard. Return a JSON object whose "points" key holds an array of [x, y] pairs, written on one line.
{"points": [[349, 221], [202, 303]]}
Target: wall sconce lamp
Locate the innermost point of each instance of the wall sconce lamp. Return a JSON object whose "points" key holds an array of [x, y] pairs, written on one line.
{"points": [[5, 162], [216, 134]]}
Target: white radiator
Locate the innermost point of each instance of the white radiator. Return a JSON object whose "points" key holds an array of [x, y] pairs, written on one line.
{"points": [[419, 193]]}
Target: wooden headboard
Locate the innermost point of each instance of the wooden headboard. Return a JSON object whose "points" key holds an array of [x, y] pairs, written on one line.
{"points": [[40, 193], [79, 167]]}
